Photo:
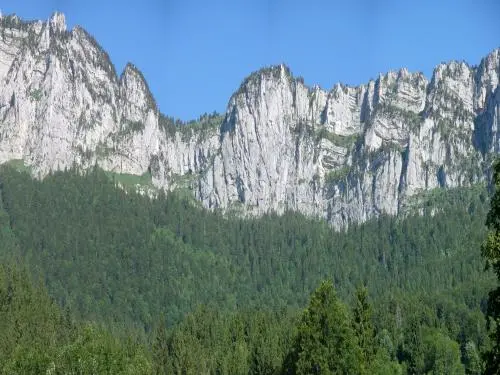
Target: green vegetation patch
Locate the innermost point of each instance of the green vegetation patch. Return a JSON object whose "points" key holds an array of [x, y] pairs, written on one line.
{"points": [[412, 119], [131, 180], [36, 94], [448, 199], [129, 127], [337, 139], [19, 165], [204, 126], [183, 181], [337, 175]]}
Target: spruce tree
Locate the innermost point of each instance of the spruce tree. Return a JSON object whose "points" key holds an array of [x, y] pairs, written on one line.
{"points": [[326, 342], [363, 327]]}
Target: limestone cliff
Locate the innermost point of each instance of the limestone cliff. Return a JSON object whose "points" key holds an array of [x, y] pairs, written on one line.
{"points": [[345, 155]]}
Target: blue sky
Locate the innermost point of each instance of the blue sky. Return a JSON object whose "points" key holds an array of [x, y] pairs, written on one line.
{"points": [[194, 54]]}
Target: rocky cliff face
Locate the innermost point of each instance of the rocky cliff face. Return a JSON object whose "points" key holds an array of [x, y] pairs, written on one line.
{"points": [[346, 155], [355, 152]]}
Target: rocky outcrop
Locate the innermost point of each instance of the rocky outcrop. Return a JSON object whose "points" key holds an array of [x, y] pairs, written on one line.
{"points": [[355, 152], [345, 155]]}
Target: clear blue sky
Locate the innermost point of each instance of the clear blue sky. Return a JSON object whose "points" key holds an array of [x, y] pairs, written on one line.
{"points": [[195, 54]]}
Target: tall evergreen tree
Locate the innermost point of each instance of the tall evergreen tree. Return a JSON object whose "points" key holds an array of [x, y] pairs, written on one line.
{"points": [[413, 346], [326, 342], [160, 349], [363, 327]]}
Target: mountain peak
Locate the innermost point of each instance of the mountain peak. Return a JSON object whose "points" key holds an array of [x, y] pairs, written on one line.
{"points": [[130, 68], [133, 79], [271, 72], [58, 22]]}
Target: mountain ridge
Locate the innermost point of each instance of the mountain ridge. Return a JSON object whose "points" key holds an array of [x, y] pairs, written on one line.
{"points": [[345, 155]]}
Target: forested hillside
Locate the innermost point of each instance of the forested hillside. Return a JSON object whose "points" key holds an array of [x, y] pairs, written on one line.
{"points": [[202, 292], [38, 337]]}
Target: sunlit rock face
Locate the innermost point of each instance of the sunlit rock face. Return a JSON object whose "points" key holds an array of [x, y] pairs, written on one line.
{"points": [[355, 152], [346, 155]]}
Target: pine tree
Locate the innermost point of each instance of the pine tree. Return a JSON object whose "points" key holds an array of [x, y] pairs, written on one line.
{"points": [[363, 327], [326, 343], [160, 349], [413, 346]]}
